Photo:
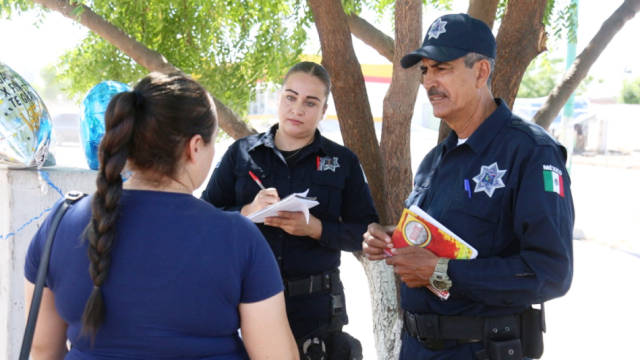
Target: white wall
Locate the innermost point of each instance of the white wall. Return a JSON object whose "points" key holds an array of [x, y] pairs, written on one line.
{"points": [[21, 200]]}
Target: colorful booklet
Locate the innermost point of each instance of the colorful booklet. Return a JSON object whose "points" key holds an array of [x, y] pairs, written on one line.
{"points": [[417, 228]]}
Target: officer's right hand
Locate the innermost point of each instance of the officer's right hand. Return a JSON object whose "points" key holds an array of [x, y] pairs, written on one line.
{"points": [[376, 239], [263, 199]]}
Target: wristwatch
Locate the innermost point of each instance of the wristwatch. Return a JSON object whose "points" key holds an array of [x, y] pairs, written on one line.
{"points": [[440, 280]]}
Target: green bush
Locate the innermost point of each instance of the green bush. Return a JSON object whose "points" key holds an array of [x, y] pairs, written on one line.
{"points": [[631, 91]]}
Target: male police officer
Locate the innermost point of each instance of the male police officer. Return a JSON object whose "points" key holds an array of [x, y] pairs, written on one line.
{"points": [[499, 183]]}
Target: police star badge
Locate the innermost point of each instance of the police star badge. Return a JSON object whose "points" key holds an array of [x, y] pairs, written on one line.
{"points": [[437, 28], [489, 179], [328, 163]]}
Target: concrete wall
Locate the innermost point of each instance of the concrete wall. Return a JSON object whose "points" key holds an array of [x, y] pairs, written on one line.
{"points": [[21, 200]]}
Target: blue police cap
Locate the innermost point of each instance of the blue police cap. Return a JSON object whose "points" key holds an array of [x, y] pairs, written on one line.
{"points": [[451, 37]]}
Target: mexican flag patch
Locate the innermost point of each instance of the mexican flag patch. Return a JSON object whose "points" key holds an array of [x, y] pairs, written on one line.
{"points": [[553, 179]]}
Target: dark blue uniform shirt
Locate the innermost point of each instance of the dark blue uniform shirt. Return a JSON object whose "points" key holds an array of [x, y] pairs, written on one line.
{"points": [[518, 214], [332, 174]]}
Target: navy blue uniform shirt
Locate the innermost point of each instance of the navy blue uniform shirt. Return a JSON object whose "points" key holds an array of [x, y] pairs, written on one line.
{"points": [[345, 210], [518, 214], [332, 174]]}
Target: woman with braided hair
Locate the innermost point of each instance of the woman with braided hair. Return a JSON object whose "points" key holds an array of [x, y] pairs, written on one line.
{"points": [[169, 276]]}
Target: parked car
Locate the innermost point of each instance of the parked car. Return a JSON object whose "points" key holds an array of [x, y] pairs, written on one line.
{"points": [[65, 127]]}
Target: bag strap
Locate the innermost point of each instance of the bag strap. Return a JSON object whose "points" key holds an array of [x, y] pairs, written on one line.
{"points": [[27, 340]]}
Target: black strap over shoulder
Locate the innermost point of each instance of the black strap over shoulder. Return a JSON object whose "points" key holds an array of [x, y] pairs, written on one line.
{"points": [[27, 340]]}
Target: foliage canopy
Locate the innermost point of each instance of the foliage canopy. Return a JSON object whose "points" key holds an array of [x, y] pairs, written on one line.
{"points": [[630, 93], [229, 46]]}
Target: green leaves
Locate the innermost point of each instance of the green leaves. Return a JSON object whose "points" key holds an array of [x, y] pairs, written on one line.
{"points": [[230, 46], [561, 16], [630, 93]]}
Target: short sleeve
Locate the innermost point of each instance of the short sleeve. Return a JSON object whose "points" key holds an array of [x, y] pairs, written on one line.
{"points": [[34, 253], [261, 277]]}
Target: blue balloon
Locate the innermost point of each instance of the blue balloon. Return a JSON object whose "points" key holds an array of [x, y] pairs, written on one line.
{"points": [[25, 123], [91, 120]]}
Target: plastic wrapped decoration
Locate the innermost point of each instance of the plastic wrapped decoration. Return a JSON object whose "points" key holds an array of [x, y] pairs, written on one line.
{"points": [[25, 123], [91, 120]]}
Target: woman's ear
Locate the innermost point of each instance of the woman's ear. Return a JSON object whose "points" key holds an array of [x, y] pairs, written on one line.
{"points": [[194, 148]]}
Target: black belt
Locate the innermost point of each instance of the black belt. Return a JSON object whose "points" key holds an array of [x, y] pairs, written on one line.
{"points": [[326, 281], [431, 329]]}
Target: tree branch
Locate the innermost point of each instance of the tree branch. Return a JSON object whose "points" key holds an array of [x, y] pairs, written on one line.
{"points": [[371, 36], [580, 67], [484, 10], [151, 60], [350, 94], [522, 37]]}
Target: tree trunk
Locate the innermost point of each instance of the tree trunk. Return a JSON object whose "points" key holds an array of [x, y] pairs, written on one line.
{"points": [[371, 36], [398, 106], [484, 10], [580, 67], [350, 94], [523, 40], [151, 60]]}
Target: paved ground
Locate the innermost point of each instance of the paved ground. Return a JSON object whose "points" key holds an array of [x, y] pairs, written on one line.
{"points": [[598, 318]]}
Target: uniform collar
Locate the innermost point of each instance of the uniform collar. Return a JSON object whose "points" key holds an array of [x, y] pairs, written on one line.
{"points": [[267, 139], [484, 134]]}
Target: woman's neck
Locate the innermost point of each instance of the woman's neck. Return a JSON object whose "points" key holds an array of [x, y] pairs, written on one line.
{"points": [[286, 143], [145, 181]]}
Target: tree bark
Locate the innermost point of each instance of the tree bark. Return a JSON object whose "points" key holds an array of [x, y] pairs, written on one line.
{"points": [[484, 10], [350, 94], [580, 67], [356, 125], [522, 37], [371, 36], [151, 60], [398, 106]]}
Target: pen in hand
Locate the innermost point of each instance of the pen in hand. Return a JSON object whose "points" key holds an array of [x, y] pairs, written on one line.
{"points": [[257, 180]]}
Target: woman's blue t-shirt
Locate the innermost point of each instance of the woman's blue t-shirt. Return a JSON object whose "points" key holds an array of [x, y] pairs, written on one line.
{"points": [[178, 270]]}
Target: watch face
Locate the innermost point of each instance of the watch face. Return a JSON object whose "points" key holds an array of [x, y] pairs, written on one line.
{"points": [[440, 285]]}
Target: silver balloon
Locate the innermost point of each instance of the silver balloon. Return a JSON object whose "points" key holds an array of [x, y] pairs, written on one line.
{"points": [[92, 111], [25, 124]]}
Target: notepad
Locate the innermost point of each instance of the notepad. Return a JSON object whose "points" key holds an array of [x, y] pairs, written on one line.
{"points": [[294, 202]]}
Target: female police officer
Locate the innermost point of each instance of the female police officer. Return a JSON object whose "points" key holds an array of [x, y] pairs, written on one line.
{"points": [[290, 158]]}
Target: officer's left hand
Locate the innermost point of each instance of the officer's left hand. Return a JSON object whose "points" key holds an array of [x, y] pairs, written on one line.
{"points": [[413, 264], [294, 223]]}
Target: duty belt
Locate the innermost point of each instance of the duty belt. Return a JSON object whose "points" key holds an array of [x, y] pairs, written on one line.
{"points": [[431, 329], [326, 281]]}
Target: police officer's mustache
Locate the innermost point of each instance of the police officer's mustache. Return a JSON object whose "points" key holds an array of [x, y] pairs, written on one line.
{"points": [[433, 92]]}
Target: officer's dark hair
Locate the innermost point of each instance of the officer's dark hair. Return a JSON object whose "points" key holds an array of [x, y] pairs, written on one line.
{"points": [[472, 58], [150, 127], [313, 69]]}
